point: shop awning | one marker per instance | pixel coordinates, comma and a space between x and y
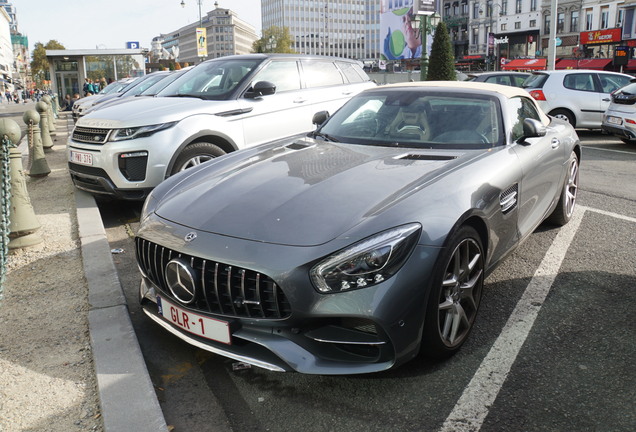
631, 65
526, 64
596, 64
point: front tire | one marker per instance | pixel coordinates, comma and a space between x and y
567, 201
196, 154
455, 296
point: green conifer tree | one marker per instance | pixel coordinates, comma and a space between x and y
441, 65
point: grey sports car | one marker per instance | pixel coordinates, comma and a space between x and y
355, 248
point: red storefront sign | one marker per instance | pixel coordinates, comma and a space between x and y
601, 36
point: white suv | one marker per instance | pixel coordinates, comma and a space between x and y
577, 96
219, 106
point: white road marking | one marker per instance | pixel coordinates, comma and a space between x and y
472, 407
609, 150
614, 215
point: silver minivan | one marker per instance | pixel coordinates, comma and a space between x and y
219, 106
579, 97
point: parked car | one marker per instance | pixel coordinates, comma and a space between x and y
576, 96
354, 248
112, 88
137, 87
219, 106
515, 79
620, 117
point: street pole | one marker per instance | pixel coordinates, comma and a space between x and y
424, 56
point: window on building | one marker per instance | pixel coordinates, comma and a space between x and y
546, 24
604, 18
464, 7
532, 23
517, 25
560, 22
503, 27
589, 23
619, 17
533, 5
447, 10
504, 7
476, 9
518, 6
574, 21
475, 39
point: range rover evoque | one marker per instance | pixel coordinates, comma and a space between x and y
219, 106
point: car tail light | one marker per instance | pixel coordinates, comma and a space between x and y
538, 95
630, 121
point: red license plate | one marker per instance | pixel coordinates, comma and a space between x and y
199, 325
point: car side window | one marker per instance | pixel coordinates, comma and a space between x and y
518, 80
284, 74
502, 79
349, 71
522, 108
609, 82
579, 81
318, 73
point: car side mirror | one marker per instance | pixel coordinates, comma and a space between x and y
261, 88
532, 129
320, 117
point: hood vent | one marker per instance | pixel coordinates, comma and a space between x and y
298, 146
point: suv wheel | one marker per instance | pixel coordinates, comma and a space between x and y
563, 114
195, 154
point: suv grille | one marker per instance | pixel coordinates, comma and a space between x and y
221, 288
90, 135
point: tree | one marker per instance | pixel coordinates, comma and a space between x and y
275, 39
441, 65
39, 64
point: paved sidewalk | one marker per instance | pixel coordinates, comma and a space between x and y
127, 400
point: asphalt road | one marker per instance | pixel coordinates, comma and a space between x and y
564, 357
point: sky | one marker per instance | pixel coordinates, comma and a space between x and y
91, 24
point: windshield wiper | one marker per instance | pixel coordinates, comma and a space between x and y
324, 136
187, 95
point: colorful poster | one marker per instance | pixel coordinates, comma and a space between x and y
400, 40
202, 43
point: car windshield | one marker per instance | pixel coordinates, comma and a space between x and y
163, 83
140, 86
418, 119
114, 87
213, 80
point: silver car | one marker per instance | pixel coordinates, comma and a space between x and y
217, 107
620, 117
355, 248
579, 97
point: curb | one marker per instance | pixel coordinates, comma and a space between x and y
127, 396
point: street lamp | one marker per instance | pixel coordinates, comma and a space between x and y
426, 24
183, 4
271, 44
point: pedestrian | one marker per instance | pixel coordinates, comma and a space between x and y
88, 87
67, 103
7, 94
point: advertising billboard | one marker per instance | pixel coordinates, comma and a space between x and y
202, 42
399, 39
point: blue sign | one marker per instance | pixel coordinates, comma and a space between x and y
132, 45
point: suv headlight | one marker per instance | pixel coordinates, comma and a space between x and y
138, 132
366, 263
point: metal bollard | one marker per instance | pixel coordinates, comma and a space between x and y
51, 118
22, 221
43, 109
38, 167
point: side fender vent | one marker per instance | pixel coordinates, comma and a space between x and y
509, 198
425, 157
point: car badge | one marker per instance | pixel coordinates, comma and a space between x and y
190, 236
181, 280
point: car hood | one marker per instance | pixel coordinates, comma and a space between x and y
303, 194
148, 111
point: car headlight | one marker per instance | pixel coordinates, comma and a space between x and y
366, 263
138, 132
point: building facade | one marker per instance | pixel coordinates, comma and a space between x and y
6, 53
226, 34
349, 28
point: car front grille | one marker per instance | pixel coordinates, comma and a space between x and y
221, 289
90, 135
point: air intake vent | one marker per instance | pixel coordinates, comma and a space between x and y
508, 199
297, 146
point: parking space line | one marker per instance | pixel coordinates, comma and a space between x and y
611, 214
608, 150
472, 407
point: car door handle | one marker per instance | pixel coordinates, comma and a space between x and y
300, 100
606, 100
555, 143
347, 93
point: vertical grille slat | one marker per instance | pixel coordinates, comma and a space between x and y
223, 289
